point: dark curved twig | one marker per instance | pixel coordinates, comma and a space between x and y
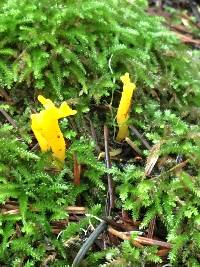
88, 243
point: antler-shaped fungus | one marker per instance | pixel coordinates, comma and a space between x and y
124, 106
46, 129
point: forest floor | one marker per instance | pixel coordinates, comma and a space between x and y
183, 18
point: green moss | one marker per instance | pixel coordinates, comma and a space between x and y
76, 51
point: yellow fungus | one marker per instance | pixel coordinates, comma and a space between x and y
124, 106
46, 129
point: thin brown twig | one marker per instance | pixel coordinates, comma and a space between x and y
108, 165
180, 28
76, 210
179, 166
187, 39
36, 146
134, 147
11, 207
5, 95
141, 240
93, 133
123, 236
8, 118
151, 228
139, 136
119, 226
77, 171
153, 242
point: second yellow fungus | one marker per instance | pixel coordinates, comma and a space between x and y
46, 128
124, 107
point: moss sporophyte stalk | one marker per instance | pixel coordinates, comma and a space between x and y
46, 128
124, 107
